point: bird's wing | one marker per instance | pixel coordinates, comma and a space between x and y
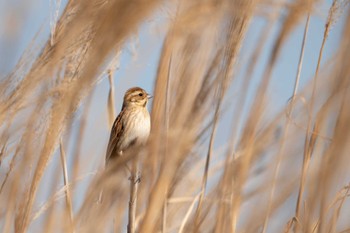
117, 131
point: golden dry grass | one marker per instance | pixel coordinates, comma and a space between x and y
294, 163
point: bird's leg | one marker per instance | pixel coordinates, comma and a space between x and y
137, 179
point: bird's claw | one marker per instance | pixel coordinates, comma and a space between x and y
135, 179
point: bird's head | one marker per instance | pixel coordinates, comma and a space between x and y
136, 96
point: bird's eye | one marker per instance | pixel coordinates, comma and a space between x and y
140, 94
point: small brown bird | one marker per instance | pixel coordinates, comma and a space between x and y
132, 126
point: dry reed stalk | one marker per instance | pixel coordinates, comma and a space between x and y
209, 154
309, 135
340, 197
82, 127
297, 10
111, 108
312, 134
336, 214
256, 226
26, 149
223, 78
76, 89
185, 219
246, 82
340, 135
287, 124
54, 213
202, 47
220, 89
134, 183
53, 19
165, 213
114, 65
246, 140
66, 184
7, 227
248, 74
26, 140
248, 135
166, 115
60, 194
185, 70
114, 183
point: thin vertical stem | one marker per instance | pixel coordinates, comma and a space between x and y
134, 184
111, 108
207, 162
66, 184
166, 114
287, 124
165, 210
309, 135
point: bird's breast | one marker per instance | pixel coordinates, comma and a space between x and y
138, 127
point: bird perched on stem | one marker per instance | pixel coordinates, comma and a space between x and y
132, 126
130, 129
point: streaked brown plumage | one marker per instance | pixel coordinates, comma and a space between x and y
132, 125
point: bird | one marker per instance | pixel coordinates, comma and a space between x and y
132, 126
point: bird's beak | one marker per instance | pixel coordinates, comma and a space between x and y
149, 96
